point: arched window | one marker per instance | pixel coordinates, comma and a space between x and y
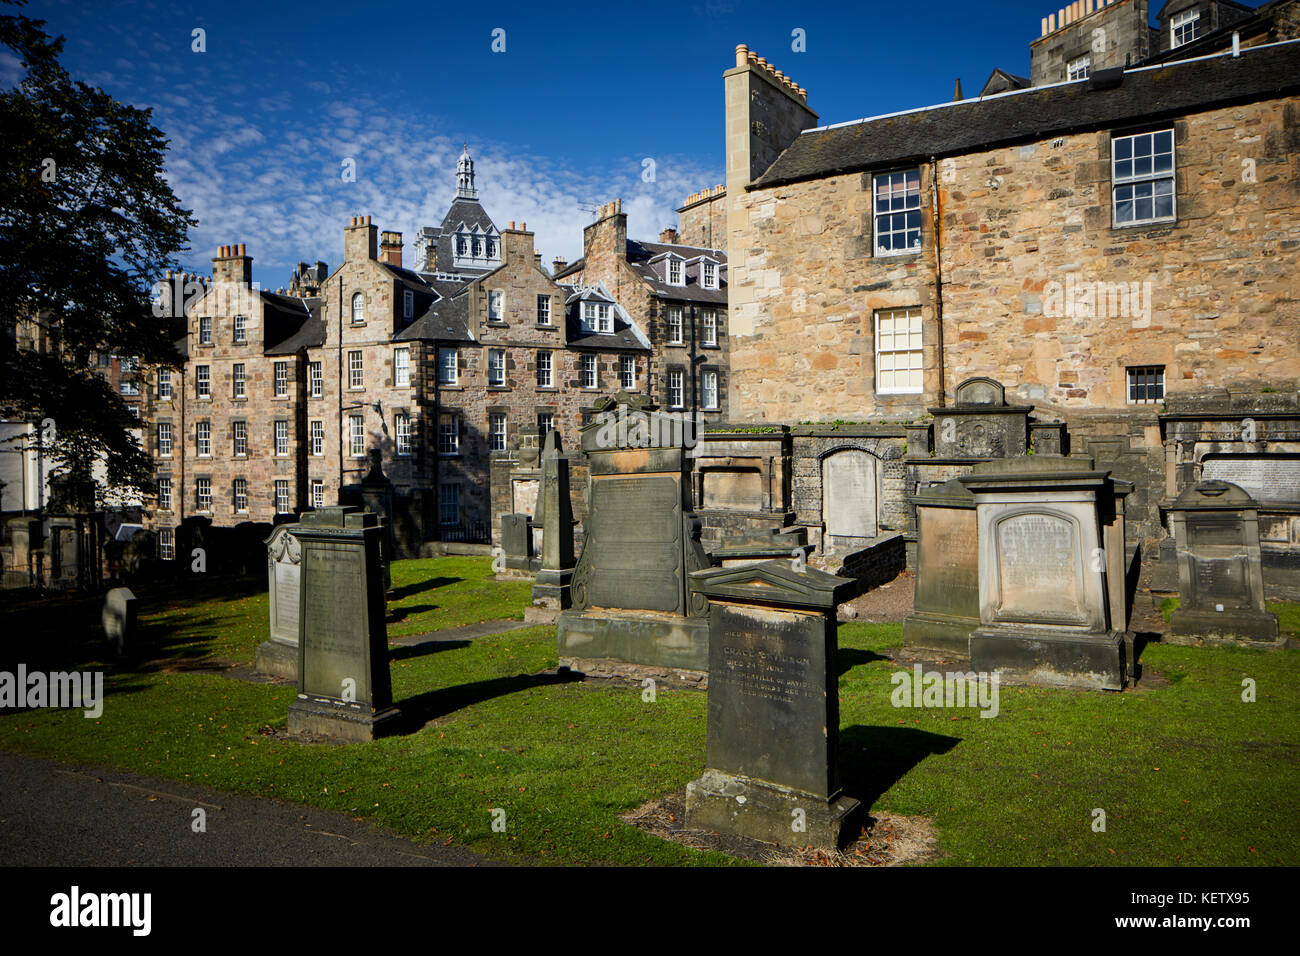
478, 247
491, 249
460, 245
358, 308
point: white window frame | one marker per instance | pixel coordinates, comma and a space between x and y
203, 495
317, 438
710, 332
280, 380
545, 423
496, 305
356, 370
356, 436
676, 326
497, 435
164, 494
448, 366
239, 439
1181, 20
281, 438
402, 367
315, 379
203, 439
318, 493
358, 308
164, 385
164, 439
203, 382
709, 275
545, 370
1128, 178
543, 310
240, 334
238, 380
166, 545
706, 402
282, 506
496, 366
676, 388
239, 491
1080, 68
898, 203
886, 343
1133, 376
674, 271
448, 434
402, 434
589, 371
627, 372
205, 330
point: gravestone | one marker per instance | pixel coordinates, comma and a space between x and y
278, 656
344, 688
374, 493
1220, 573
633, 614
772, 757
946, 603
119, 619
516, 546
849, 480
555, 576
1051, 602
981, 424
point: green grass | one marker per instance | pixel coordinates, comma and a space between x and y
1288, 614
1185, 770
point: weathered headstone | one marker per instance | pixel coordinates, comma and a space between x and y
118, 618
555, 576
633, 614
516, 546
344, 689
279, 655
1047, 608
772, 767
946, 605
1220, 574
980, 424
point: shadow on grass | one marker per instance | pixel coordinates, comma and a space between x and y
420, 710
1140, 641
406, 590
396, 614
424, 649
848, 658
873, 759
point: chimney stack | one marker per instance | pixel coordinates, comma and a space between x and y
558, 265
390, 248
360, 239
233, 264
669, 236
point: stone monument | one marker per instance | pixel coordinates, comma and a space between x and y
344, 688
633, 614
1051, 559
516, 547
1220, 572
772, 768
946, 605
555, 509
278, 656
118, 618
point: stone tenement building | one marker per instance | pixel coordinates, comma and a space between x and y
677, 293
1119, 251
283, 397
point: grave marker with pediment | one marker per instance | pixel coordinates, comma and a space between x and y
981, 425
278, 657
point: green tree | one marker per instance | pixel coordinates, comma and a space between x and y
88, 224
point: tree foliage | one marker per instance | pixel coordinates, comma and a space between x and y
88, 224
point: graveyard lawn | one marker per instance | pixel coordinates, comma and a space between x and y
1186, 772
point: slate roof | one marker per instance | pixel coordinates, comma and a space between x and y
291, 324
445, 321
639, 255
1142, 95
1000, 81
407, 278
472, 214
625, 336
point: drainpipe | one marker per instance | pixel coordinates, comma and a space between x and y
338, 429
938, 276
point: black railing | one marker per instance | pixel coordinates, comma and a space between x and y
467, 532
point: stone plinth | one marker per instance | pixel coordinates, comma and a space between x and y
555, 575
344, 688
1220, 573
772, 760
946, 606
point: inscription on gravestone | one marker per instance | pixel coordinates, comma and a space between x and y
333, 616
1038, 570
1264, 479
636, 551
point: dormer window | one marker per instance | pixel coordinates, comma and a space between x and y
1184, 28
675, 272
460, 245
491, 248
477, 246
408, 303
596, 317
709, 275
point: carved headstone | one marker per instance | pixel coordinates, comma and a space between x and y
772, 757
279, 655
344, 688
1220, 574
1048, 614
981, 424
632, 609
517, 545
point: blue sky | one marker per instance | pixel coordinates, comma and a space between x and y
563, 119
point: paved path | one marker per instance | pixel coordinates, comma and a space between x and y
55, 814
465, 633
